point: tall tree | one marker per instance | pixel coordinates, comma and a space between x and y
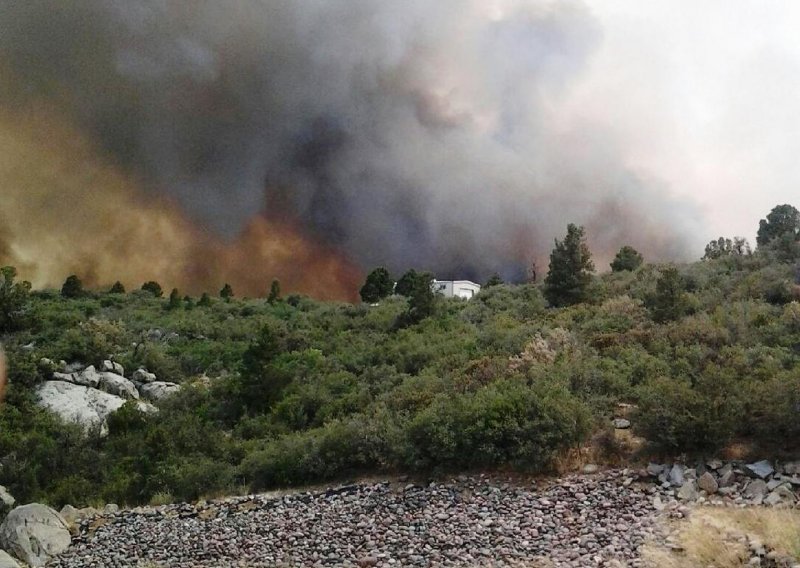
174, 300
72, 287
226, 293
117, 288
628, 258
780, 233
726, 247
154, 288
14, 301
274, 292
422, 300
571, 268
378, 286
669, 302
494, 280
406, 283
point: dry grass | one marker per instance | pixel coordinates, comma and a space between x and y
719, 538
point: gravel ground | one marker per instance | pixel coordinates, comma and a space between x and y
583, 520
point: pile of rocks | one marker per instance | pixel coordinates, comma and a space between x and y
579, 521
87, 396
732, 483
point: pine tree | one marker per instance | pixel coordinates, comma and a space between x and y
72, 288
117, 288
226, 293
494, 280
406, 283
628, 258
174, 300
669, 302
205, 300
274, 292
378, 286
571, 268
154, 288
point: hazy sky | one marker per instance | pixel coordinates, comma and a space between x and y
706, 93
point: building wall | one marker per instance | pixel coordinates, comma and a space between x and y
456, 288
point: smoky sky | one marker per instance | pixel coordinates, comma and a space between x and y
410, 133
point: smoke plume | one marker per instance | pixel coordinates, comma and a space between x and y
196, 142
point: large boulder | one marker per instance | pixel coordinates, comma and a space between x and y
34, 533
88, 377
7, 561
143, 376
85, 406
118, 385
7, 501
109, 366
761, 469
707, 483
158, 390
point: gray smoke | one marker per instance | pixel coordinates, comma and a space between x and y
411, 133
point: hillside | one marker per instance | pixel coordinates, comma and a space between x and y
298, 391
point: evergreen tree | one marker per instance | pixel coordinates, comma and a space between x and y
226, 293
727, 247
154, 288
494, 280
14, 301
422, 300
628, 258
174, 300
406, 283
274, 292
378, 286
188, 302
72, 287
669, 302
780, 233
571, 268
117, 288
205, 300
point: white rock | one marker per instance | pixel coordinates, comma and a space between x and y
142, 376
676, 477
109, 366
34, 533
158, 390
118, 385
89, 377
7, 561
7, 501
83, 405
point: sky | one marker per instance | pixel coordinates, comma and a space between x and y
706, 96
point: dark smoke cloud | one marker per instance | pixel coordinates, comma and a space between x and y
412, 133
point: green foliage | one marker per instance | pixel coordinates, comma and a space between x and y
723, 247
226, 293
670, 300
494, 280
72, 287
628, 258
378, 286
301, 391
779, 233
505, 422
274, 292
405, 285
15, 306
154, 288
117, 288
571, 268
421, 300
174, 300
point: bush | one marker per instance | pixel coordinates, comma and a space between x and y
679, 418
505, 422
15, 308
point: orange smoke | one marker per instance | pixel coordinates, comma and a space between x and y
65, 209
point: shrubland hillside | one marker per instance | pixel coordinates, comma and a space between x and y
291, 391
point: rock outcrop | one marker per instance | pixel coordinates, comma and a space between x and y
158, 390
86, 406
34, 533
